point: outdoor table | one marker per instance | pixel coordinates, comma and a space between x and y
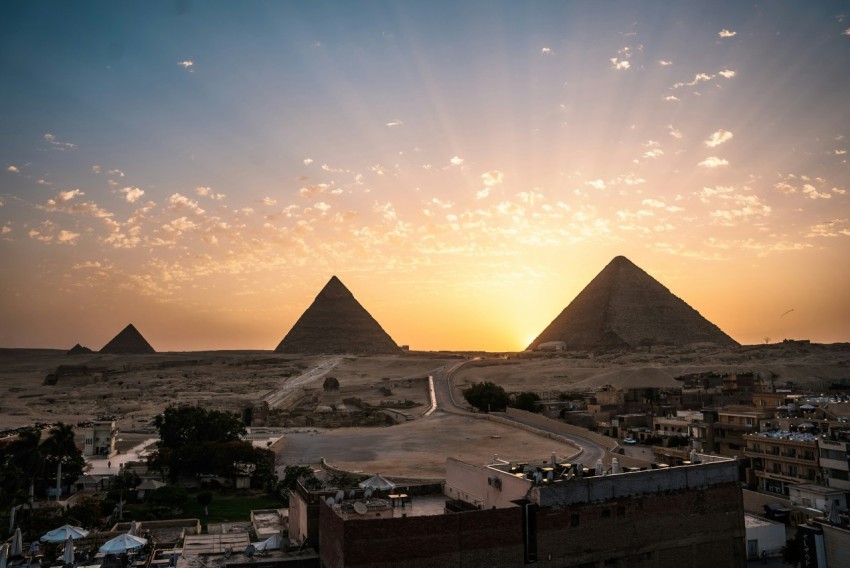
400, 497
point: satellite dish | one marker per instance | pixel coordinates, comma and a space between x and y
360, 508
330, 501
340, 495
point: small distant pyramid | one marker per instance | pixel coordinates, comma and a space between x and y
626, 308
336, 323
128, 341
78, 350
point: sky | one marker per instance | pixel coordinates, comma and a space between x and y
202, 169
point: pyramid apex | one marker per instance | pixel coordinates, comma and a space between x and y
129, 340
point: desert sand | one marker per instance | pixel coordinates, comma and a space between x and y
135, 388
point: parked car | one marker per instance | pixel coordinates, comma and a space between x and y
630, 441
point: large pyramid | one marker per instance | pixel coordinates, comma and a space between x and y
128, 341
336, 323
625, 308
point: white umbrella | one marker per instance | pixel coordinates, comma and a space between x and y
17, 547
63, 533
4, 554
122, 543
378, 482
68, 554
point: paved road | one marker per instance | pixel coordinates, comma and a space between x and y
443, 380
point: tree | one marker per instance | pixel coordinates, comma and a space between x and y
792, 552
204, 499
528, 401
487, 397
60, 448
194, 440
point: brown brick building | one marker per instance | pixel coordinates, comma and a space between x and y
681, 516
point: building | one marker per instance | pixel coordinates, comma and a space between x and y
823, 499
100, 439
724, 429
764, 537
834, 462
781, 459
511, 514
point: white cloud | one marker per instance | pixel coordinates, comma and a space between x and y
132, 194
96, 169
208, 192
846, 32
394, 123
727, 73
67, 237
268, 201
718, 138
69, 195
481, 194
673, 131
785, 187
13, 169
57, 144
187, 64
596, 184
727, 33
181, 202
456, 161
620, 64
492, 178
840, 152
653, 203
671, 98
546, 50
315, 189
115, 173
308, 161
664, 62
812, 192
713, 162
87, 264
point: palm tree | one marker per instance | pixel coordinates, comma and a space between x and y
63, 454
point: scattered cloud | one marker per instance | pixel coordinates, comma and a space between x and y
596, 184
713, 162
727, 73
665, 62
96, 169
718, 138
57, 144
492, 178
69, 195
308, 161
13, 169
67, 237
268, 201
456, 161
620, 64
839, 152
187, 64
812, 192
674, 132
204, 191
178, 202
115, 173
727, 33
313, 190
546, 50
395, 123
132, 194
672, 98
846, 32
704, 77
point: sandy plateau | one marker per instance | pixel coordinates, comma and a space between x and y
135, 388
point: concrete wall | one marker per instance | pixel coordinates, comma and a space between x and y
770, 536
689, 477
837, 545
470, 483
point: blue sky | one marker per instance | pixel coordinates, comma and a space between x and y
202, 168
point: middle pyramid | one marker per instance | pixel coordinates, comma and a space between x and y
336, 323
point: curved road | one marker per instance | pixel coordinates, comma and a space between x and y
591, 452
